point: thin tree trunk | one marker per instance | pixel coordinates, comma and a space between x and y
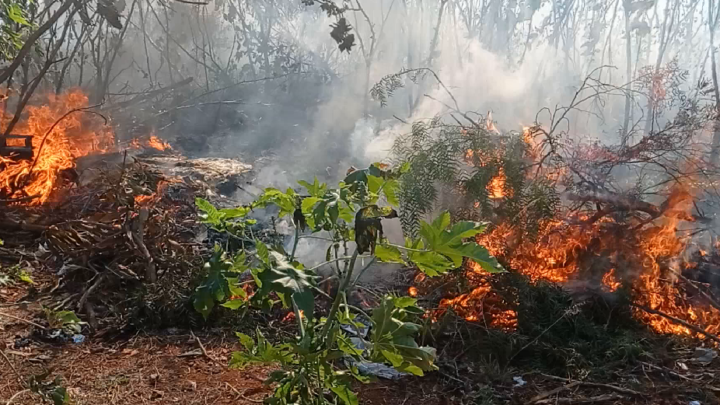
628, 71
30, 42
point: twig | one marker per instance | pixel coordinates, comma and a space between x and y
22, 320
678, 321
241, 395
17, 394
590, 400
554, 391
202, 348
12, 367
621, 390
85, 296
21, 199
195, 3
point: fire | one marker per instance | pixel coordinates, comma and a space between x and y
610, 282
153, 142
72, 137
157, 143
496, 187
144, 200
480, 304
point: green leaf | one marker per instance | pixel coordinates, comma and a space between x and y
316, 189
15, 13
210, 214
305, 301
235, 290
215, 286
262, 251
374, 183
412, 369
390, 191
234, 304
308, 204
347, 346
404, 302
345, 394
25, 277
442, 221
430, 263
232, 213
67, 317
450, 243
394, 358
245, 340
388, 254
203, 304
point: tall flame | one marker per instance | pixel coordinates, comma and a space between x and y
71, 138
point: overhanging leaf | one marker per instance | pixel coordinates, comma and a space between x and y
388, 254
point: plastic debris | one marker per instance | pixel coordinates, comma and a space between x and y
519, 382
376, 369
704, 355
77, 339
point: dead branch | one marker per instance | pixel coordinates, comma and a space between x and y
620, 202
552, 392
144, 96
22, 320
595, 385
678, 321
85, 296
136, 235
589, 400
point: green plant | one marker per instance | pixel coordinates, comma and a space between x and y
352, 212
49, 390
14, 274
66, 320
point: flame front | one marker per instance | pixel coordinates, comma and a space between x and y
72, 137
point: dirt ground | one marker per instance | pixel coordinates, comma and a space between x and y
168, 367
176, 366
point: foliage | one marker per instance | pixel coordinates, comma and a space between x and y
13, 15
462, 161
341, 29
220, 283
66, 320
352, 212
16, 273
52, 391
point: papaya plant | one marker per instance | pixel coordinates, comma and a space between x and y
350, 218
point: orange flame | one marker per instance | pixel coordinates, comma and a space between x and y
71, 138
157, 143
610, 282
496, 187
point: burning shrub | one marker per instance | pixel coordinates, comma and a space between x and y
593, 215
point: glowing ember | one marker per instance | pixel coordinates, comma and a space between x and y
144, 200
413, 291
71, 138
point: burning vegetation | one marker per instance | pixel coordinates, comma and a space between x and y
573, 213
